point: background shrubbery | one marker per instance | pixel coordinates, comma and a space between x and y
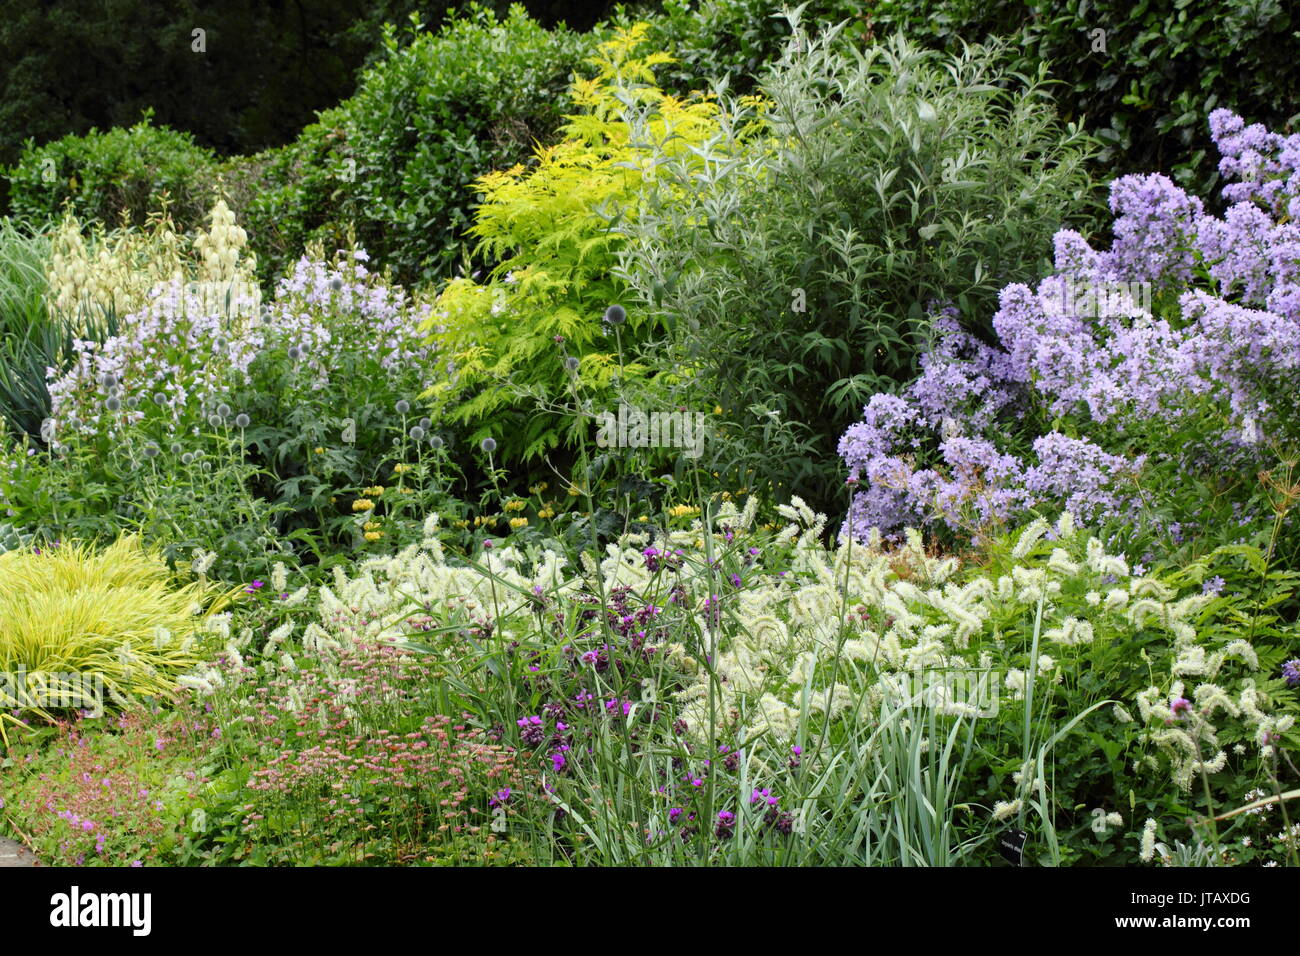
397, 160
1148, 87
797, 271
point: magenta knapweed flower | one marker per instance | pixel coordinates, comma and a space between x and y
1180, 706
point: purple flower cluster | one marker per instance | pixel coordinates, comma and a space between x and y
181, 356
1189, 325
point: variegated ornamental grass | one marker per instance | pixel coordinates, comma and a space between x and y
115, 612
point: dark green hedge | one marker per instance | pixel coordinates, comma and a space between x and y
1143, 74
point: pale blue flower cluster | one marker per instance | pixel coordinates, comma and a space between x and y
1069, 405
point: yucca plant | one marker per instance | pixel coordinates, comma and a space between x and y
113, 617
28, 336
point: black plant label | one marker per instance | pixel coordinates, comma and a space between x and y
1011, 844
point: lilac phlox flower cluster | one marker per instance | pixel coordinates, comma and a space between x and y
1215, 352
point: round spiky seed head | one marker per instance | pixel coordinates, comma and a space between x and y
417, 433
616, 315
241, 420
488, 444
403, 406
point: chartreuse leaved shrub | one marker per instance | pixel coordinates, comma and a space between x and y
554, 230
116, 614
796, 269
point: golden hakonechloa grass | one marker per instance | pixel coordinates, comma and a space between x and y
115, 615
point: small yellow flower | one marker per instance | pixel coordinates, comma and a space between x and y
371, 525
320, 450
681, 511
401, 468
546, 513
374, 535
717, 409
517, 505
518, 522
573, 491
538, 488
362, 504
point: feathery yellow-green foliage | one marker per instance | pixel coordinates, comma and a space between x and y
553, 230
115, 612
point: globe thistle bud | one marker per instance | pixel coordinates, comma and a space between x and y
177, 448
488, 444
241, 420
572, 363
616, 315
294, 353
187, 459
133, 401
336, 283
403, 406
110, 380
436, 441
220, 343
150, 450
417, 433
159, 399
223, 410
214, 421
113, 403
426, 423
